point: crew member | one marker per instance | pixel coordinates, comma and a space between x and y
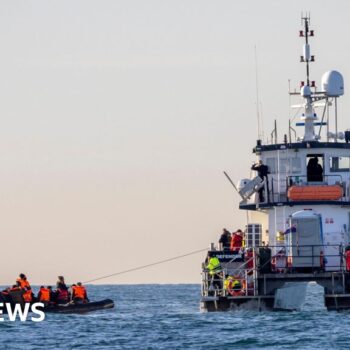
79, 294
214, 269
262, 170
347, 258
314, 170
225, 240
249, 258
236, 241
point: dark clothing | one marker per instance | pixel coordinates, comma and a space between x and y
314, 171
16, 296
225, 240
265, 260
61, 285
262, 170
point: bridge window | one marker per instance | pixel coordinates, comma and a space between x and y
272, 165
339, 164
314, 167
296, 165
286, 165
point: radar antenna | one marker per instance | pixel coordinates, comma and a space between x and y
307, 57
309, 115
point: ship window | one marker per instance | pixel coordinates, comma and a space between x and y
296, 165
271, 163
339, 164
283, 166
314, 168
292, 165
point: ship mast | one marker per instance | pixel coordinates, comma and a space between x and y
309, 115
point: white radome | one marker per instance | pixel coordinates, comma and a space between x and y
332, 83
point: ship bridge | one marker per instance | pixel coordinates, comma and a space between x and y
292, 180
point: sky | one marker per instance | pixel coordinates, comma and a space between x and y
118, 118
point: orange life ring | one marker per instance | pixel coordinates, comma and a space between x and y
235, 292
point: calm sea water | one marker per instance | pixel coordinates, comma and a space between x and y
168, 317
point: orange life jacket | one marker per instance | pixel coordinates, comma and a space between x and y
79, 292
23, 283
44, 294
27, 296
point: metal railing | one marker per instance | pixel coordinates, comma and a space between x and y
286, 259
302, 180
277, 190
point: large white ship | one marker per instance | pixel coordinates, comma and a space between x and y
299, 207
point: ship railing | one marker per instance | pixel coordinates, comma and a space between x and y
286, 259
277, 190
302, 258
218, 284
302, 180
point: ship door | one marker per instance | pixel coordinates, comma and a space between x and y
314, 167
305, 240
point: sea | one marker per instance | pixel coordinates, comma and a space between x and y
154, 316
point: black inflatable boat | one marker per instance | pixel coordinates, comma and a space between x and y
80, 308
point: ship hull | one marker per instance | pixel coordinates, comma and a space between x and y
258, 303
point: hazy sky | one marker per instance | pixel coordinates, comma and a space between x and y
118, 118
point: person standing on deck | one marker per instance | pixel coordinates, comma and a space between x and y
236, 241
225, 240
214, 271
262, 170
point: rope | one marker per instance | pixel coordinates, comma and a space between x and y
148, 265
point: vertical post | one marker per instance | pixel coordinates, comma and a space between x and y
327, 119
289, 131
223, 292
275, 131
336, 119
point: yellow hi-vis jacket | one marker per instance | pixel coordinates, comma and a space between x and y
214, 265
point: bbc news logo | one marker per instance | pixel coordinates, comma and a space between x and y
18, 313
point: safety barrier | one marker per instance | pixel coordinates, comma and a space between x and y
270, 260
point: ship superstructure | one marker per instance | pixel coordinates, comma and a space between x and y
300, 209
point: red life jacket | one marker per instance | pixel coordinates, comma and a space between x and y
250, 260
347, 260
236, 242
44, 294
62, 294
